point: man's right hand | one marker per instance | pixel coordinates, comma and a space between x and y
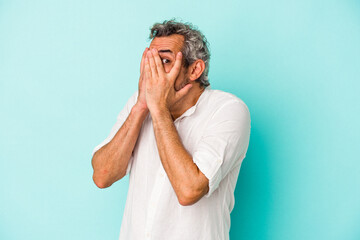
141, 102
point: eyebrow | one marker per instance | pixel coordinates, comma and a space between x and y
165, 50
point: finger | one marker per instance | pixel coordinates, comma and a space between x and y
174, 72
182, 92
152, 64
147, 69
158, 63
142, 64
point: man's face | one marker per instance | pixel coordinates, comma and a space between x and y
168, 47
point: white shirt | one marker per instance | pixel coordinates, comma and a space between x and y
216, 132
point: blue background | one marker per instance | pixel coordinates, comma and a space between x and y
68, 67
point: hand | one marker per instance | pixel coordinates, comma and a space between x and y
141, 102
160, 86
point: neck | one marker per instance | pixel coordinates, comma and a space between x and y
186, 102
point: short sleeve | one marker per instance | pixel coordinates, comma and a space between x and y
122, 116
224, 143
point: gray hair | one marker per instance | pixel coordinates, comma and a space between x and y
195, 44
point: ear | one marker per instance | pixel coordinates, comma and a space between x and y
196, 69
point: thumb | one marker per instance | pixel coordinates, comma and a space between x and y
182, 92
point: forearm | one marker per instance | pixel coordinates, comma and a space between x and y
177, 162
111, 161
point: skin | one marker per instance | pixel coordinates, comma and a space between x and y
166, 90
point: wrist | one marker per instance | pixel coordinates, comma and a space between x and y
159, 111
140, 109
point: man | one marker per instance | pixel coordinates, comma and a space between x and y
181, 143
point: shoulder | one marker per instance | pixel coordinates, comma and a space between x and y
226, 105
131, 101
134, 96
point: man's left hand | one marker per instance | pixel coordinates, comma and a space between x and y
160, 86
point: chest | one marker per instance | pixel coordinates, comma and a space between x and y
190, 132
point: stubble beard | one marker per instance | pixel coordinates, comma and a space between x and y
183, 84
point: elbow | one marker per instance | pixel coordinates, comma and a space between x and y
100, 182
104, 179
192, 196
185, 202
188, 198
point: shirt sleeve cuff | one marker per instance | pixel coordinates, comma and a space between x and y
211, 170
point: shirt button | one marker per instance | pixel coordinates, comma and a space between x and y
148, 235
161, 174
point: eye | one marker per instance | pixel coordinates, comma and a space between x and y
164, 60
